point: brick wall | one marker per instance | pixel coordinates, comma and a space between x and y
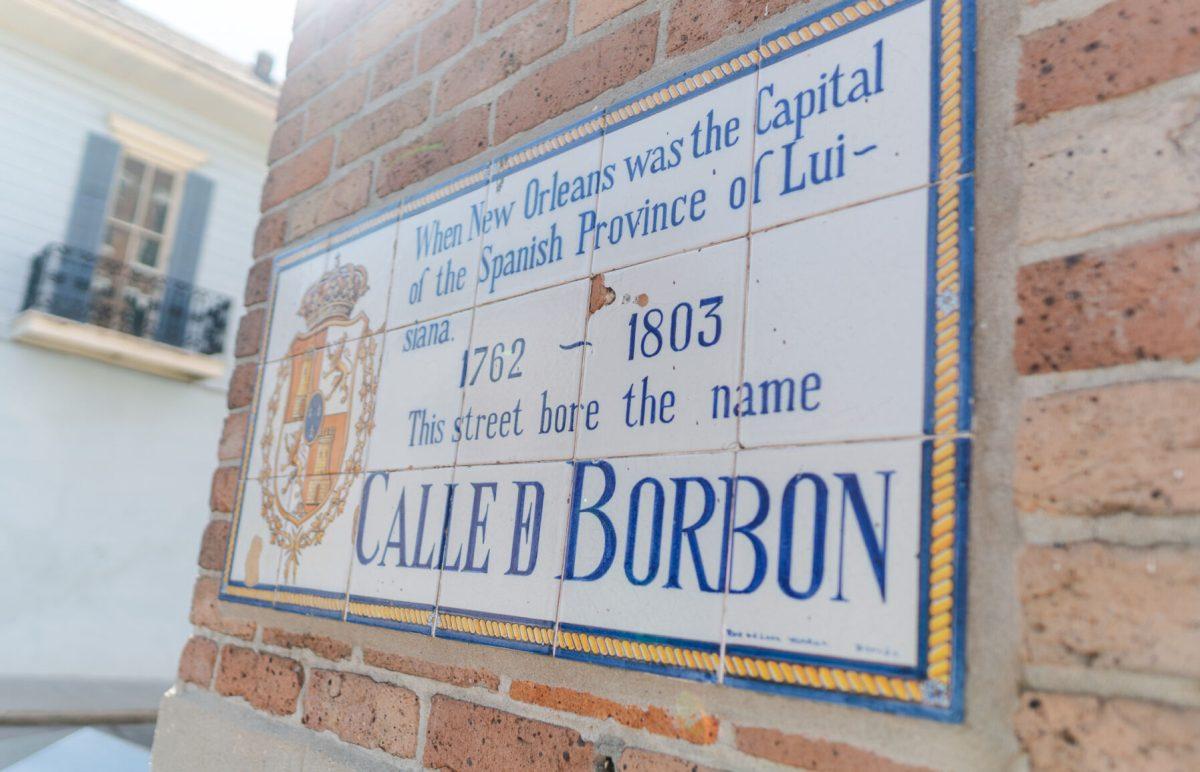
1089, 307
1107, 476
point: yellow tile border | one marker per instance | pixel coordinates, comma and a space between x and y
310, 601
407, 615
948, 331
825, 678
639, 651
491, 628
250, 593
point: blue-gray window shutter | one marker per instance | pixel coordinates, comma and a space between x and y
85, 227
185, 256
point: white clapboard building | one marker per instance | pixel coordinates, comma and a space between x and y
131, 161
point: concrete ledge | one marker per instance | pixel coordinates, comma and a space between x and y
74, 701
53, 332
200, 731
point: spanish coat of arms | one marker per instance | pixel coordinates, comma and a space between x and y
319, 415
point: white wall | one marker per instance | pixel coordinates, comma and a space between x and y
104, 475
104, 472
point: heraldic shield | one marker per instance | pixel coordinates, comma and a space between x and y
319, 415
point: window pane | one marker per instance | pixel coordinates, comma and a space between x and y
132, 172
148, 252
117, 241
160, 201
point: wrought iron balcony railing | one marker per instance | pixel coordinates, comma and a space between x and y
78, 285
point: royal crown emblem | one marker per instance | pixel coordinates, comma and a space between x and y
319, 415
334, 296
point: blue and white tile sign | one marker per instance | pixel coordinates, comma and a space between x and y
682, 388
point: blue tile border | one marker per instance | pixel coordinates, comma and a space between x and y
942, 664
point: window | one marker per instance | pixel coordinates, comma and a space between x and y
140, 217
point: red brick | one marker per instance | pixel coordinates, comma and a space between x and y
388, 25
694, 24
336, 104
224, 489
342, 15
395, 68
298, 173
446, 35
385, 124
249, 333
536, 35
287, 137
306, 40
453, 141
492, 12
1122, 47
271, 233
1113, 608
590, 14
313, 77
213, 545
333, 202
207, 613
637, 760
1061, 731
462, 735
1124, 448
258, 283
233, 436
578, 77
1111, 307
266, 681
815, 755
197, 660
700, 729
241, 386
363, 711
320, 645
1099, 173
451, 674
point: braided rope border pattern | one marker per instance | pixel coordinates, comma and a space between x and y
491, 628
624, 648
410, 616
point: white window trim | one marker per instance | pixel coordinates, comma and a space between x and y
154, 146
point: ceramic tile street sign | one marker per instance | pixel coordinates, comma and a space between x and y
682, 387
